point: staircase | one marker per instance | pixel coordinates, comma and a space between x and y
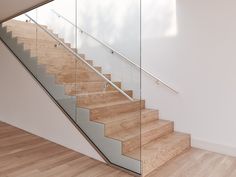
104, 106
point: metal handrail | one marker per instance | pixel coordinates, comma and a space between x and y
83, 60
158, 81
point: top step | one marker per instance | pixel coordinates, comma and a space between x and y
17, 23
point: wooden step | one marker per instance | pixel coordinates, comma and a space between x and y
28, 29
128, 120
86, 99
31, 32
38, 42
63, 68
59, 63
51, 47
71, 69
160, 151
53, 53
85, 77
98, 111
88, 87
76, 72
17, 23
33, 35
148, 132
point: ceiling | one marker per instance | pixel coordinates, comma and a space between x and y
12, 8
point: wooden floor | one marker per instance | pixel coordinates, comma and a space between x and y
198, 163
26, 155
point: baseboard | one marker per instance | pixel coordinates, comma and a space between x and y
222, 149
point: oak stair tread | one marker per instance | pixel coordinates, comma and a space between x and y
100, 92
163, 144
111, 104
17, 23
125, 116
142, 129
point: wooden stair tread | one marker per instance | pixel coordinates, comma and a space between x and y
45, 42
101, 92
72, 79
108, 104
124, 116
163, 145
88, 87
114, 108
85, 82
86, 99
18, 22
137, 131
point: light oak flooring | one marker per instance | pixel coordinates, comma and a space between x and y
198, 163
26, 155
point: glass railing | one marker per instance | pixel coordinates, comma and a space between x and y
84, 34
99, 92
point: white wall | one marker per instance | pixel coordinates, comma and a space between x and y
189, 44
24, 104
198, 59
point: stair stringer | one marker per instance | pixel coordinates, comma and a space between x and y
111, 148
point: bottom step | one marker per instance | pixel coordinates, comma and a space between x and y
159, 151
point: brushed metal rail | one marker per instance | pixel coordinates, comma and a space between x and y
79, 57
157, 80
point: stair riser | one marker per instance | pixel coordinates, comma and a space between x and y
150, 116
157, 133
114, 110
88, 87
86, 100
147, 137
130, 122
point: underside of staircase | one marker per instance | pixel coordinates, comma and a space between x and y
120, 118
